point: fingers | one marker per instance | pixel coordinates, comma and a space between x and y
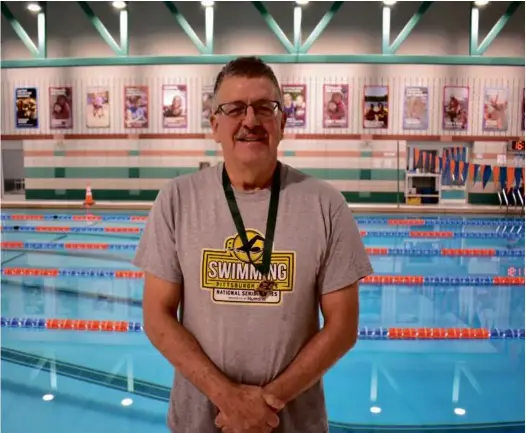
273, 401
219, 421
273, 421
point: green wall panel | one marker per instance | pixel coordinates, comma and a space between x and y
164, 172
39, 172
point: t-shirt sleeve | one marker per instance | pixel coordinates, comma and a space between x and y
157, 252
346, 260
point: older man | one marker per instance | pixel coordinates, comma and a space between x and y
249, 251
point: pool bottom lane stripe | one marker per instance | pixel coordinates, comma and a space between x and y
363, 333
412, 280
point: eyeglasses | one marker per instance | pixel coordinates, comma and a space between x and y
262, 109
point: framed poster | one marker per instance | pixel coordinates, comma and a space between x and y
455, 108
495, 110
416, 108
376, 107
335, 105
98, 107
175, 106
136, 103
61, 107
295, 104
26, 107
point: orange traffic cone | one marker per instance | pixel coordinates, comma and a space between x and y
88, 201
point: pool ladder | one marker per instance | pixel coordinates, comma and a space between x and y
515, 195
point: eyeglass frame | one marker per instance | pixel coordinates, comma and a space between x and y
220, 106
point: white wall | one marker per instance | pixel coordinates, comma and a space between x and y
239, 29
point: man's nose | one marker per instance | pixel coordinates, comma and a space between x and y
250, 119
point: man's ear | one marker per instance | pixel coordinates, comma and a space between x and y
283, 123
214, 124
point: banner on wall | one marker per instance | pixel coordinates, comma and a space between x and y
495, 112
455, 107
335, 103
136, 100
98, 107
175, 106
26, 102
375, 107
207, 94
416, 107
61, 107
295, 104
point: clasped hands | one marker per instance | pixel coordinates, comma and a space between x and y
249, 409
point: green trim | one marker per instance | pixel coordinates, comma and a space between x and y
150, 195
366, 154
497, 28
274, 26
164, 172
39, 172
365, 174
123, 30
320, 27
60, 172
387, 174
20, 31
220, 59
210, 152
187, 28
134, 152
453, 194
289, 153
101, 28
133, 172
58, 153
406, 31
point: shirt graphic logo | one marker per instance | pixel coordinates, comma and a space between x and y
231, 277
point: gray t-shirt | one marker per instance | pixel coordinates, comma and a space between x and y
190, 238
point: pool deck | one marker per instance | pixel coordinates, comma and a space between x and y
19, 202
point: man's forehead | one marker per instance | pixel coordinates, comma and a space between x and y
245, 88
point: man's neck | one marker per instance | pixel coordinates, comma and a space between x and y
250, 178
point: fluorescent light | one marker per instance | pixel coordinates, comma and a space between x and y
302, 2
459, 411
481, 2
119, 5
127, 402
207, 3
389, 2
34, 7
375, 410
48, 397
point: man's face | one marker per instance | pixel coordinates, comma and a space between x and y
254, 137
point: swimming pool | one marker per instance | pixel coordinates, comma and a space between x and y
437, 281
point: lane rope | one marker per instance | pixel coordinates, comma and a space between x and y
363, 333
363, 220
373, 251
364, 233
412, 280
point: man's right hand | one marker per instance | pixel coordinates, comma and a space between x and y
244, 409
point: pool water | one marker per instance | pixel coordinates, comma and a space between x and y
116, 381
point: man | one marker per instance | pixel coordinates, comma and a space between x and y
249, 250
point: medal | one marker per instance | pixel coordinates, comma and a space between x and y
266, 286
